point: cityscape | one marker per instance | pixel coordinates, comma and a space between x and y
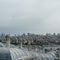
30, 47
33, 39
29, 29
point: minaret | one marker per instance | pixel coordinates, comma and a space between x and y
21, 42
7, 40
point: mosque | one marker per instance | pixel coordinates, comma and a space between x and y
13, 53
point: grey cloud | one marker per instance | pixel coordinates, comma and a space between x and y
30, 16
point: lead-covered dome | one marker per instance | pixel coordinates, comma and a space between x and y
5, 54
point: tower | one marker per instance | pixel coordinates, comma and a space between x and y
7, 40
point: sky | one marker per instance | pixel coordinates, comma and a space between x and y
29, 16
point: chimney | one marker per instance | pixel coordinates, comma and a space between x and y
7, 40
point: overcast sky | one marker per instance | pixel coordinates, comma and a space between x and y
33, 16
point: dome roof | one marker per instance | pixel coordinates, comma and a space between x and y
5, 54
13, 54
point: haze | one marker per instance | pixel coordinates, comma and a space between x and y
29, 16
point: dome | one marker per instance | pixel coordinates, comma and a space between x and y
5, 54
14, 54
